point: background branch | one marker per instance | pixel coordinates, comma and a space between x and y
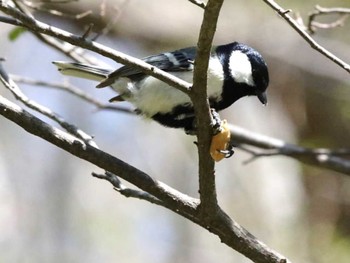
312, 24
73, 52
75, 91
320, 158
301, 31
12, 86
40, 27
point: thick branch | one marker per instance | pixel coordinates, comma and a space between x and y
89, 153
201, 106
230, 232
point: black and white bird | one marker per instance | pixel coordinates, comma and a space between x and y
235, 70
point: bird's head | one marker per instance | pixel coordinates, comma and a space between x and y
246, 67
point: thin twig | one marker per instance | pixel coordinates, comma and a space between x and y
127, 192
301, 31
38, 6
319, 11
42, 28
10, 21
117, 13
268, 146
67, 87
16, 91
70, 51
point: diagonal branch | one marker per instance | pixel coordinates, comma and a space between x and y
15, 90
69, 50
39, 27
229, 231
92, 154
301, 31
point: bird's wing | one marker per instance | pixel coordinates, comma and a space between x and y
179, 60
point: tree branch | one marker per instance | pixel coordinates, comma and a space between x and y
74, 53
201, 106
40, 27
67, 87
128, 192
15, 90
218, 222
312, 24
92, 154
301, 31
320, 158
230, 232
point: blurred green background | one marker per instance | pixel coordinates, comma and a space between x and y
53, 210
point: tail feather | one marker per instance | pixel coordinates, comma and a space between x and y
82, 70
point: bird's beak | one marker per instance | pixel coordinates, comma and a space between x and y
262, 97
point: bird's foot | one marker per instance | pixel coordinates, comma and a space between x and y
216, 121
221, 146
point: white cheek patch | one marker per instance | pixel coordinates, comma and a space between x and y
241, 68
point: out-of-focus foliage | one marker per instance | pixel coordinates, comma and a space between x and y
16, 32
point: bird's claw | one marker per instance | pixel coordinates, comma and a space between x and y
216, 121
228, 152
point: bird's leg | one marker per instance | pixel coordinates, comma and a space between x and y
216, 121
216, 124
221, 146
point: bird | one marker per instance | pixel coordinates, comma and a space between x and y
235, 70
